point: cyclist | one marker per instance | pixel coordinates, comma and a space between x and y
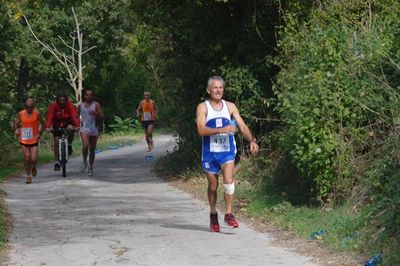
89, 111
62, 114
147, 113
26, 126
214, 124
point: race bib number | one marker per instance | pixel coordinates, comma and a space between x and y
26, 133
219, 143
147, 116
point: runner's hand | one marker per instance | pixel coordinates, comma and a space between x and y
70, 127
254, 148
229, 129
17, 132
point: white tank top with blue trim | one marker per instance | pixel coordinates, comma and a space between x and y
218, 143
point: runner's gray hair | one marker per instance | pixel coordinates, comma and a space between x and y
211, 79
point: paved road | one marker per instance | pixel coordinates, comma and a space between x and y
124, 215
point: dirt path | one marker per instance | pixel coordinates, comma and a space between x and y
124, 215
316, 249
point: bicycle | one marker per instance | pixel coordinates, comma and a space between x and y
62, 148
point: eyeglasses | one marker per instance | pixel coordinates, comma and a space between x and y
147, 95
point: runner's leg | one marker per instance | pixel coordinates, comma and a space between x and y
227, 172
92, 152
34, 151
212, 191
212, 200
85, 146
146, 134
27, 159
150, 134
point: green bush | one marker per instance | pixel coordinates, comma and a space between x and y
10, 144
382, 199
122, 126
337, 91
338, 94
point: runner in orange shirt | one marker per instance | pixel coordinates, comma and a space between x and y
147, 113
26, 126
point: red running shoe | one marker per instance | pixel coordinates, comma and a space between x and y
230, 220
214, 225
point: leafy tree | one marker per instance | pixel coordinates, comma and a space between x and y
198, 39
335, 91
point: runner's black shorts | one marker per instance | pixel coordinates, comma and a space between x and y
30, 145
146, 124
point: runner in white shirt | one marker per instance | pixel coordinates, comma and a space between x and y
89, 112
217, 122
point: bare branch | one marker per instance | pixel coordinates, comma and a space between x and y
73, 63
71, 76
47, 47
255, 21
62, 55
70, 47
87, 50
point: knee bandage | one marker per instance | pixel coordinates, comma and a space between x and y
229, 188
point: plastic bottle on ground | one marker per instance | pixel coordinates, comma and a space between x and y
374, 260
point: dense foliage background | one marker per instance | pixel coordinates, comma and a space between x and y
317, 81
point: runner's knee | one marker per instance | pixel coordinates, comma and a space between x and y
229, 188
212, 186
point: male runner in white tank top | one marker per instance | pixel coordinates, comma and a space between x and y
215, 123
89, 111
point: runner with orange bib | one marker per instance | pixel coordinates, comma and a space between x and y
26, 126
147, 113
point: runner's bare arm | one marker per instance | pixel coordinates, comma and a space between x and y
243, 128
42, 123
202, 129
139, 110
17, 124
99, 111
155, 110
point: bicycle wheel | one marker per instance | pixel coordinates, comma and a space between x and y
64, 159
64, 169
